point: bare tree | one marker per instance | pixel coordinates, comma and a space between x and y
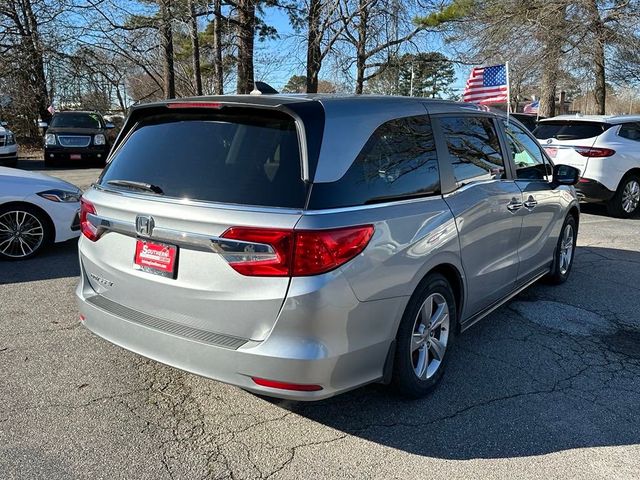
195, 46
246, 24
372, 28
166, 40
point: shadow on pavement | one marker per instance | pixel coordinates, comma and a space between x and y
58, 261
600, 209
557, 368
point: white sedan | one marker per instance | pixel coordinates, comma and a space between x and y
35, 211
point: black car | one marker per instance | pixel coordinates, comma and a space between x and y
529, 120
76, 137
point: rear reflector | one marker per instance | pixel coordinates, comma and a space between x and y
285, 386
295, 252
87, 229
594, 152
194, 105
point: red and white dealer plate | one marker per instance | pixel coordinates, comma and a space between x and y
157, 258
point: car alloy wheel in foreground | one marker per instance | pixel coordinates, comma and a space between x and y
430, 336
631, 196
566, 249
21, 234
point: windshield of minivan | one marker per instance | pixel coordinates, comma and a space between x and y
76, 120
569, 130
240, 156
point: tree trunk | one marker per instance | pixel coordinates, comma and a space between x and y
549, 83
599, 32
218, 73
35, 55
314, 54
361, 49
166, 38
195, 47
246, 32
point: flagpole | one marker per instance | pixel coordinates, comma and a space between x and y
508, 92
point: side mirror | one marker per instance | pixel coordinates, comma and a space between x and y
565, 175
109, 125
43, 124
4, 124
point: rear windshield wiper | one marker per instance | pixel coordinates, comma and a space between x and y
146, 187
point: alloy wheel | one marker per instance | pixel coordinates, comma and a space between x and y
566, 249
430, 336
21, 233
631, 196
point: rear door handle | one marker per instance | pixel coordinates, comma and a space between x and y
530, 203
514, 205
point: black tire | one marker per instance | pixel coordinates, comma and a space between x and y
560, 271
616, 206
405, 379
44, 222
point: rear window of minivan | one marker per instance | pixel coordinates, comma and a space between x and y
568, 130
239, 156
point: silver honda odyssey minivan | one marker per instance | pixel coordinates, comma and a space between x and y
303, 246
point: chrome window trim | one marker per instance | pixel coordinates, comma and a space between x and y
257, 209
196, 241
371, 206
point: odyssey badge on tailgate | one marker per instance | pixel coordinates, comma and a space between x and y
156, 258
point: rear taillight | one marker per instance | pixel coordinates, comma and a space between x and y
281, 253
594, 152
87, 229
272, 261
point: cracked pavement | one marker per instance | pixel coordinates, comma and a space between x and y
548, 386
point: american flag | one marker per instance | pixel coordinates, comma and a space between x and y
532, 107
487, 85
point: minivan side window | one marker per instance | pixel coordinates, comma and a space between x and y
398, 161
527, 155
630, 131
474, 148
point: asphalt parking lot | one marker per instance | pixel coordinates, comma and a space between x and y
547, 386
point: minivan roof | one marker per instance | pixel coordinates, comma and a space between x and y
612, 119
343, 100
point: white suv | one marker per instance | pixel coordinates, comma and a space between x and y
606, 149
8, 147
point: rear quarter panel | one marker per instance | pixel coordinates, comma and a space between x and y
410, 239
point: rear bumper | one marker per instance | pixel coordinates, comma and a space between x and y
338, 346
588, 189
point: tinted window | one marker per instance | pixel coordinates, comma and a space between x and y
236, 156
529, 121
569, 130
630, 131
527, 155
398, 161
474, 148
76, 120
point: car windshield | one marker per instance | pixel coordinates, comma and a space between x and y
569, 130
76, 120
